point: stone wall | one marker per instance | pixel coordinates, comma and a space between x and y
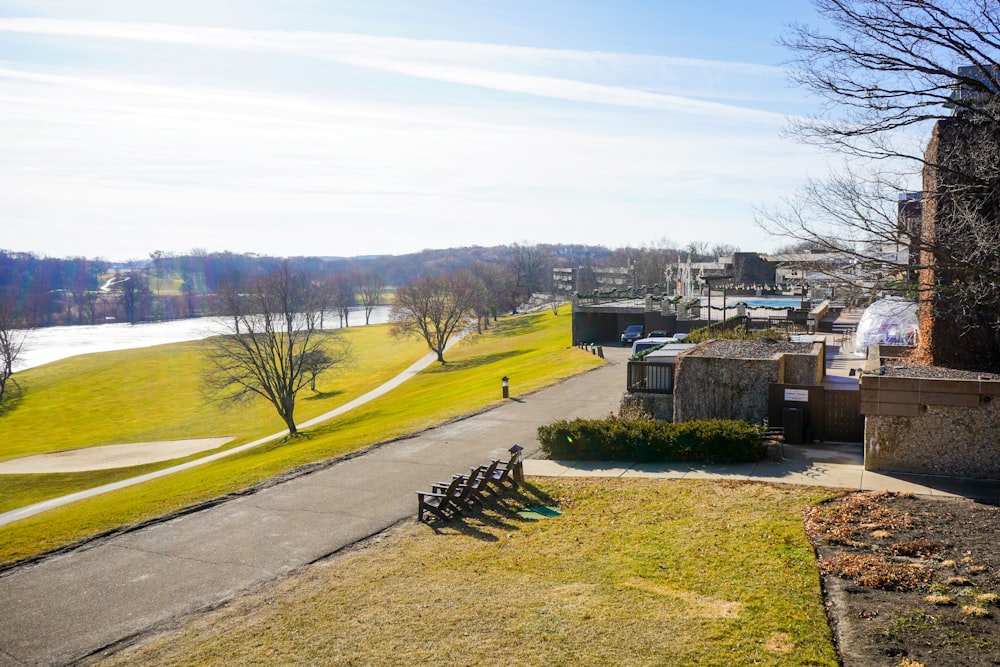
731, 379
941, 440
805, 368
932, 426
724, 388
658, 406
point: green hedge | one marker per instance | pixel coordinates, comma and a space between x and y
646, 440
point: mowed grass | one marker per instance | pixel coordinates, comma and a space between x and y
634, 572
156, 394
531, 349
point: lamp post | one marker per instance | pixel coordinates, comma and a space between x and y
708, 281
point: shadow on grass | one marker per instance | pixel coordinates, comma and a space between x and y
321, 395
474, 362
12, 397
516, 326
498, 514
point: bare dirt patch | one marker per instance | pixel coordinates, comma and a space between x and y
910, 580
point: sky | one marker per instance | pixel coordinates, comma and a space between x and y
345, 128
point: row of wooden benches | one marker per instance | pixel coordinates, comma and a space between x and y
446, 500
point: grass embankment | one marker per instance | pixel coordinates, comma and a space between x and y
634, 572
531, 349
155, 394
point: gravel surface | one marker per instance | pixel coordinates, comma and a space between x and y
760, 348
914, 371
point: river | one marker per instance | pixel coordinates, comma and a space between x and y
50, 344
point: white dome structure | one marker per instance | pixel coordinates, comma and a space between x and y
891, 321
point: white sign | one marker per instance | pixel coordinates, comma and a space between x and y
798, 395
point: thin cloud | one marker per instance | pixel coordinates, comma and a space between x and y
504, 68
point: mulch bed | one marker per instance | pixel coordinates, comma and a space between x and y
910, 580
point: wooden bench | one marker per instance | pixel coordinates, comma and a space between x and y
773, 436
442, 502
506, 475
448, 499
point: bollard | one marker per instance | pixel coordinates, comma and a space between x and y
505, 384
600, 351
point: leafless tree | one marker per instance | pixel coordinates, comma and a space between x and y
134, 294
647, 264
895, 73
531, 266
887, 65
371, 288
343, 295
273, 345
13, 333
434, 308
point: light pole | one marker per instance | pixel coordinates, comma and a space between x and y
708, 281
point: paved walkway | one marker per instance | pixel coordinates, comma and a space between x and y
831, 465
74, 605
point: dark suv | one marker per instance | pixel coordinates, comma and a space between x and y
633, 332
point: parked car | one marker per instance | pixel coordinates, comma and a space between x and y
650, 342
633, 332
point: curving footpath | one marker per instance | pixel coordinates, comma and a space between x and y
37, 508
76, 605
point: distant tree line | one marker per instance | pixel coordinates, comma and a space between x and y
44, 291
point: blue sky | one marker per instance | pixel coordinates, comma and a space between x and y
328, 127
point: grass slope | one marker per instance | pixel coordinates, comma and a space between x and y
634, 572
155, 394
531, 349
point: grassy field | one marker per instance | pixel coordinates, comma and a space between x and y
155, 394
634, 572
532, 349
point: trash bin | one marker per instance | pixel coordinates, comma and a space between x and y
794, 420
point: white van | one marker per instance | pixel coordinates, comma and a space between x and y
647, 343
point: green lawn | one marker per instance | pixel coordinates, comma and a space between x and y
634, 572
532, 349
155, 393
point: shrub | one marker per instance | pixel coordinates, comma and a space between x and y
647, 440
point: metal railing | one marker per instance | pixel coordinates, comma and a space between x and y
650, 378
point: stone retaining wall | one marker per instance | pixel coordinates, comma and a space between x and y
932, 426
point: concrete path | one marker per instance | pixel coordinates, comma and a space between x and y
72, 605
830, 465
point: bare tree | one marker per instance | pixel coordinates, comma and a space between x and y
13, 333
434, 308
343, 295
890, 64
134, 294
889, 69
273, 345
531, 267
371, 288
